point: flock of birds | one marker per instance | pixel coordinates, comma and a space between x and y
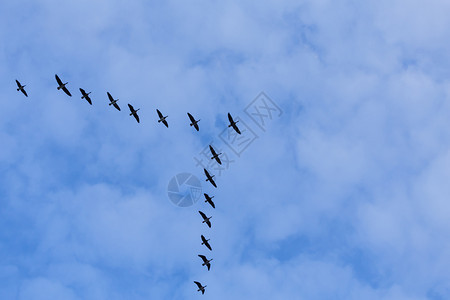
162, 119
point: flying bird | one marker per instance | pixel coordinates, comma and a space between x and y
209, 200
209, 178
205, 261
193, 121
113, 102
205, 242
215, 155
21, 88
205, 218
85, 96
134, 112
62, 86
233, 124
162, 118
200, 287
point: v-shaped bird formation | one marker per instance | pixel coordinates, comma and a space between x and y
161, 119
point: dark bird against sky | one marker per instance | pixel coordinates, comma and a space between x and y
205, 218
200, 287
193, 121
210, 178
21, 88
85, 96
62, 86
233, 124
134, 112
215, 155
112, 101
205, 242
162, 118
209, 200
206, 262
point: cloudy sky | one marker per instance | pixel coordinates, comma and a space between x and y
342, 193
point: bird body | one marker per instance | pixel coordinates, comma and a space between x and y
134, 112
215, 155
62, 85
205, 242
206, 262
200, 287
113, 101
21, 88
193, 121
209, 200
162, 118
205, 218
210, 178
85, 96
233, 124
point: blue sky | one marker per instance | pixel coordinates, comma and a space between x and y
343, 196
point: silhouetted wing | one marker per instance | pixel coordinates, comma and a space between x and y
230, 118
83, 92
236, 128
213, 183
207, 174
208, 245
165, 123
111, 99
19, 85
189, 115
131, 107
198, 284
66, 91
208, 223
208, 265
203, 291
203, 258
116, 106
24, 92
58, 80
88, 99
202, 214
196, 126
159, 114
212, 150
211, 203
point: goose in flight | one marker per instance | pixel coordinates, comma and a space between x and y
201, 288
62, 86
205, 218
21, 88
205, 261
209, 200
210, 178
205, 242
162, 118
215, 155
85, 96
233, 124
134, 112
193, 121
113, 102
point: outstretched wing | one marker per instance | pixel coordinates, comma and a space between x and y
131, 107
212, 182
116, 106
83, 92
211, 203
58, 80
208, 223
230, 118
165, 123
196, 126
212, 150
189, 115
111, 99
19, 85
66, 91
208, 245
88, 99
203, 257
198, 284
202, 214
159, 114
207, 174
236, 128
24, 92
208, 265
